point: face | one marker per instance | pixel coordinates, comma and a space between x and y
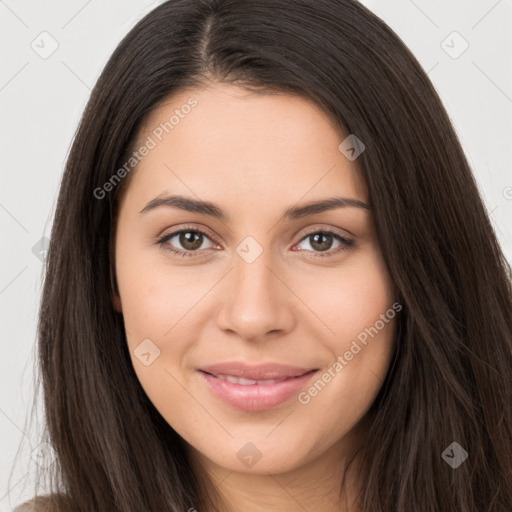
260, 329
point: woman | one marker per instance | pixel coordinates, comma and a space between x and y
272, 283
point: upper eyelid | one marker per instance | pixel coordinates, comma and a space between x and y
185, 228
335, 231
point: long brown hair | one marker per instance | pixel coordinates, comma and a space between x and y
451, 376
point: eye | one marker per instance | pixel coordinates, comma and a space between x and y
191, 240
321, 242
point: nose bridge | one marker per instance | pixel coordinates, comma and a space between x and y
254, 283
252, 264
256, 302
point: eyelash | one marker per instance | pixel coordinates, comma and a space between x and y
346, 243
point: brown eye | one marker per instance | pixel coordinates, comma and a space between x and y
190, 240
185, 242
322, 241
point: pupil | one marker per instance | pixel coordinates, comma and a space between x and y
190, 240
322, 246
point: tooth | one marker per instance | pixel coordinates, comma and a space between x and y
246, 382
230, 378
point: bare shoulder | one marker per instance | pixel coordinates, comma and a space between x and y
51, 503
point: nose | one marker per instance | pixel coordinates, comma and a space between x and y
257, 302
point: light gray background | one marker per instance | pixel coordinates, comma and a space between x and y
42, 99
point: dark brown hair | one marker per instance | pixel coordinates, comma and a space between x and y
451, 377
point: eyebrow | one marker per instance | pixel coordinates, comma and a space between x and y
293, 213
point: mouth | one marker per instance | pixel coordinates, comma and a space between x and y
255, 388
260, 372
248, 382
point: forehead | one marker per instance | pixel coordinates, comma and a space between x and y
223, 137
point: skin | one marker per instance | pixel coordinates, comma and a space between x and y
254, 156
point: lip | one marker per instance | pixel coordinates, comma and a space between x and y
258, 396
256, 372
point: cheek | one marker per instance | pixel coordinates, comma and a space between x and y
346, 388
154, 295
162, 309
360, 327
348, 299
153, 311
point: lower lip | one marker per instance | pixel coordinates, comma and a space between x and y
256, 397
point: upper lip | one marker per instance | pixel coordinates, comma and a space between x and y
255, 372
